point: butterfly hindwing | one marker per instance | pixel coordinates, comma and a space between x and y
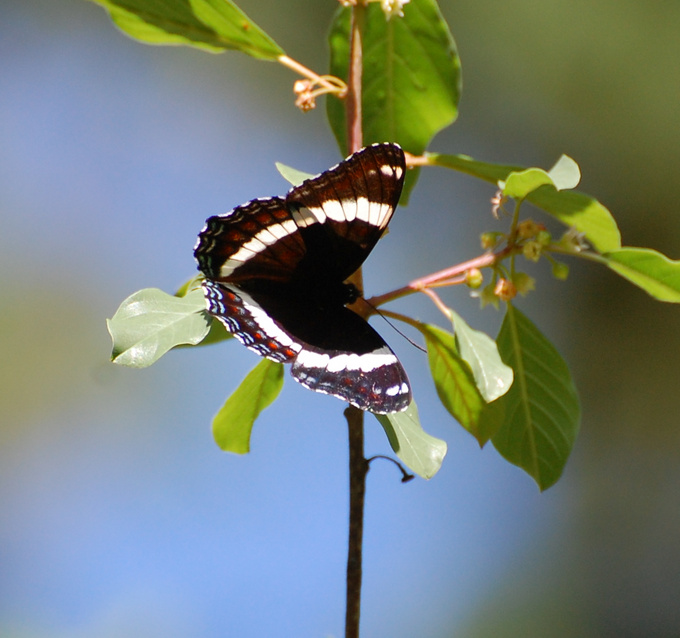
249, 322
333, 350
356, 366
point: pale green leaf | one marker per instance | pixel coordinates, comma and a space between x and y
420, 452
234, 422
211, 25
565, 174
292, 175
150, 322
542, 411
652, 271
492, 376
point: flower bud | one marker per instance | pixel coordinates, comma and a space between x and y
544, 238
474, 278
560, 270
489, 240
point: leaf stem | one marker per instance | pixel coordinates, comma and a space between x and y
329, 82
436, 299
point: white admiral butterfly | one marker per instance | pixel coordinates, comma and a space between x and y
275, 270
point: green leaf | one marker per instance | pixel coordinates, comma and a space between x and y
411, 75
420, 452
453, 378
150, 322
292, 175
233, 424
492, 376
211, 25
565, 174
542, 407
652, 271
582, 212
572, 208
520, 183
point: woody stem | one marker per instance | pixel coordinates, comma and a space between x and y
358, 466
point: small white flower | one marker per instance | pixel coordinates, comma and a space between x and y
393, 8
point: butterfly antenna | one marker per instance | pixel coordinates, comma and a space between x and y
411, 341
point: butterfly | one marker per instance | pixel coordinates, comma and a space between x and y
275, 275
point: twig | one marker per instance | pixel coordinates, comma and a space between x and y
449, 275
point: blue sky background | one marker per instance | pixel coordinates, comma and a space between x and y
119, 516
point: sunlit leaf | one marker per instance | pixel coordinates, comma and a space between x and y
520, 183
211, 25
420, 452
573, 208
542, 411
492, 376
150, 322
582, 212
655, 273
565, 174
233, 424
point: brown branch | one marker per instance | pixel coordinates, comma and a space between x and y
358, 468
448, 276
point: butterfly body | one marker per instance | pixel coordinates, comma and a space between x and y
275, 272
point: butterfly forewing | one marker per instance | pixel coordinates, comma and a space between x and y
354, 201
258, 240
